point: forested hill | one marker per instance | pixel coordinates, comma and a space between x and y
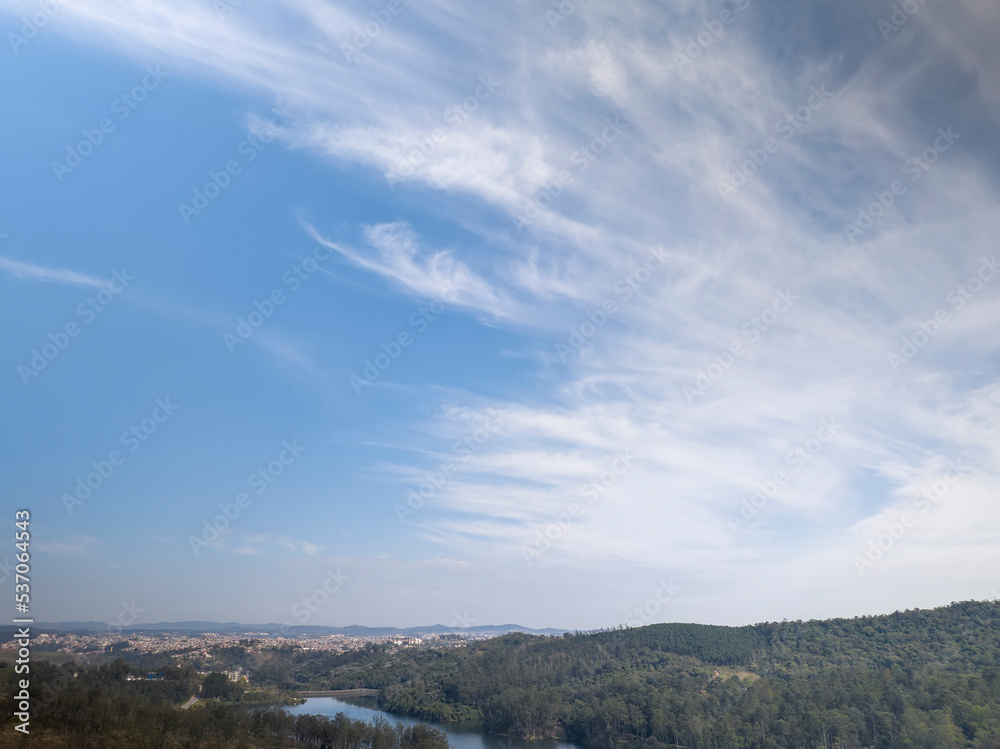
913, 680
959, 637
724, 646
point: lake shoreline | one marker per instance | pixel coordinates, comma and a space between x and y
461, 734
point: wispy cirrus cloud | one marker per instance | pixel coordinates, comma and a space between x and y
399, 259
71, 546
689, 128
31, 272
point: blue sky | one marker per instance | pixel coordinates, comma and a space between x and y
650, 290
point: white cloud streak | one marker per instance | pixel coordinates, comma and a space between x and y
31, 272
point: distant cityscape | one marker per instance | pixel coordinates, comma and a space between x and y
186, 645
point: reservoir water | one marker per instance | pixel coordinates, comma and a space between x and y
458, 737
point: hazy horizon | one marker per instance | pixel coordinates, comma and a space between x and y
536, 628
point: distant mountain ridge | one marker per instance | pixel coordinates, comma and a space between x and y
353, 630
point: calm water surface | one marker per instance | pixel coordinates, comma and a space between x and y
459, 738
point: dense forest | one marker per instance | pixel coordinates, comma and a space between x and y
914, 679
909, 680
97, 708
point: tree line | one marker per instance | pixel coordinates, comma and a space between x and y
98, 708
914, 680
